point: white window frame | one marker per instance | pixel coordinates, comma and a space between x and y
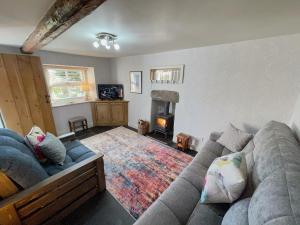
2, 122
71, 100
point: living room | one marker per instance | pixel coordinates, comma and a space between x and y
126, 107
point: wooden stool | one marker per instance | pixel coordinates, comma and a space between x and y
75, 120
183, 141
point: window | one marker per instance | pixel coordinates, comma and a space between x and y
67, 84
2, 125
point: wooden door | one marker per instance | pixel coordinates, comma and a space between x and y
118, 113
24, 98
103, 113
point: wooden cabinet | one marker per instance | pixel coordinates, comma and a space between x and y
110, 113
24, 98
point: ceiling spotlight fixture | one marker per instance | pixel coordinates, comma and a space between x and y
106, 40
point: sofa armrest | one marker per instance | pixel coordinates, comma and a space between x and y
70, 135
55, 197
214, 136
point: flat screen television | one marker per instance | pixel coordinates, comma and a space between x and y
110, 91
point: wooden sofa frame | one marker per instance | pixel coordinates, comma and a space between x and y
49, 201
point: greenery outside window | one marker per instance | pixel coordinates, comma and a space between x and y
68, 85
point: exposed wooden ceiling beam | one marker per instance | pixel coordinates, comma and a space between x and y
60, 17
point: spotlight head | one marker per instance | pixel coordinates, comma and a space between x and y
96, 44
116, 46
103, 42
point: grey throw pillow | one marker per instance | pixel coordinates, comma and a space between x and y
53, 149
234, 139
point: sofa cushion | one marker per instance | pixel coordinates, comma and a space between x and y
226, 151
204, 215
78, 151
52, 169
53, 149
208, 153
20, 167
237, 214
9, 133
214, 136
181, 198
225, 179
248, 151
9, 141
195, 174
275, 148
158, 214
276, 176
234, 139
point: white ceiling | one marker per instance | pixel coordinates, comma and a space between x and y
145, 26
18, 19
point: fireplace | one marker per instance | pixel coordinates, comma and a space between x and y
163, 112
164, 124
164, 121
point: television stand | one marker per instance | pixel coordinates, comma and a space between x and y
110, 112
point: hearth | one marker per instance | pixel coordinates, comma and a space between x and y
164, 122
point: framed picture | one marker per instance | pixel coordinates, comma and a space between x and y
135, 82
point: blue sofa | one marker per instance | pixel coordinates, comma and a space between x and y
18, 162
82, 174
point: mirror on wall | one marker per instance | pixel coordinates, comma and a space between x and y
167, 74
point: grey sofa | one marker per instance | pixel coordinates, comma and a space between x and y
272, 195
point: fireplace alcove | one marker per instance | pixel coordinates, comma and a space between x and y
163, 111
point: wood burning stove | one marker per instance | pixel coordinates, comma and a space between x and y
164, 122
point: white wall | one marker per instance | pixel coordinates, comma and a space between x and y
295, 120
63, 113
246, 83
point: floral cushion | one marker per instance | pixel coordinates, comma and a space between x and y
225, 179
34, 138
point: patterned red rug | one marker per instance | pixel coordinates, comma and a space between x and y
138, 169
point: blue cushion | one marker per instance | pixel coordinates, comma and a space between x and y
55, 168
12, 134
85, 156
72, 144
8, 141
77, 151
20, 167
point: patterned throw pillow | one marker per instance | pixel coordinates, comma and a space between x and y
33, 138
225, 179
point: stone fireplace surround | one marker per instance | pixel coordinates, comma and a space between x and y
159, 97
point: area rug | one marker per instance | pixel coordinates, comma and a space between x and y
137, 168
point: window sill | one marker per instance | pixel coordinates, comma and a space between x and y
59, 104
